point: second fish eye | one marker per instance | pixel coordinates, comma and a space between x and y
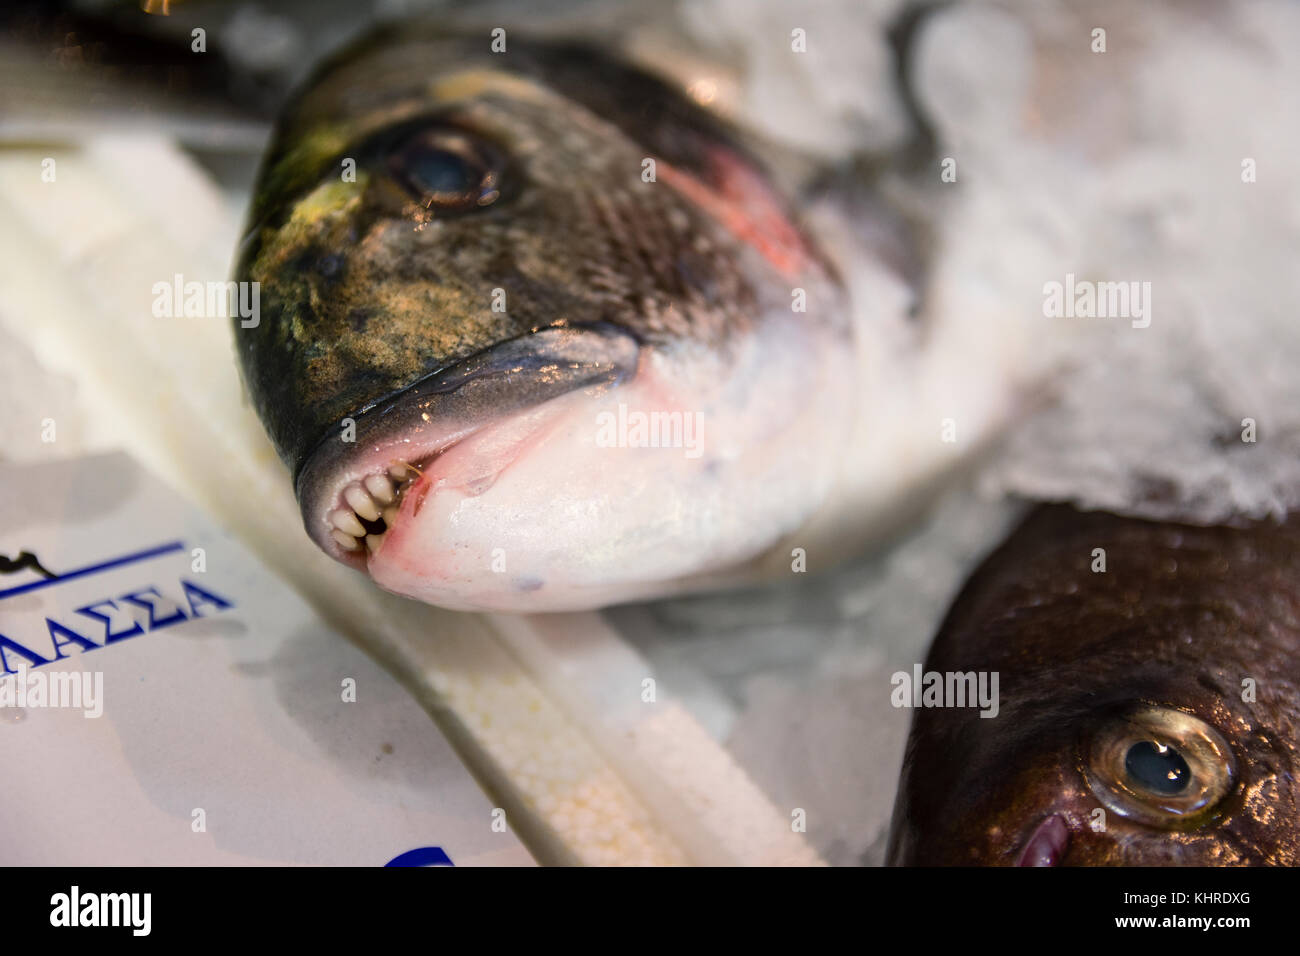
1159, 766
445, 169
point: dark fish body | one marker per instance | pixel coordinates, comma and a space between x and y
533, 241
1149, 714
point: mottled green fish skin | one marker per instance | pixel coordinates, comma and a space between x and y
1179, 618
363, 294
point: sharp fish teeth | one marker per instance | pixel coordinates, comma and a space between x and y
346, 521
360, 502
380, 488
361, 497
346, 541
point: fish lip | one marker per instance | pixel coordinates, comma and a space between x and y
1047, 844
452, 403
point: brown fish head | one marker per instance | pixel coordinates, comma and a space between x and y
491, 283
1147, 714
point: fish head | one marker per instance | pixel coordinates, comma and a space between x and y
1129, 730
536, 332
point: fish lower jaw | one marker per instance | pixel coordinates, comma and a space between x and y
367, 509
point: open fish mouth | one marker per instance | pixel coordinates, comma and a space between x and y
374, 473
369, 507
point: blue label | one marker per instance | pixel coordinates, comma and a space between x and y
422, 856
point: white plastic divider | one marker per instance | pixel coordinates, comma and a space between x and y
698, 792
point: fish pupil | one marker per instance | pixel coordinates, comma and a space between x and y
442, 173
1157, 767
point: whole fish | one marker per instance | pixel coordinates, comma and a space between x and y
536, 331
1149, 701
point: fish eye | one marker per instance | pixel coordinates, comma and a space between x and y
447, 169
1159, 766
